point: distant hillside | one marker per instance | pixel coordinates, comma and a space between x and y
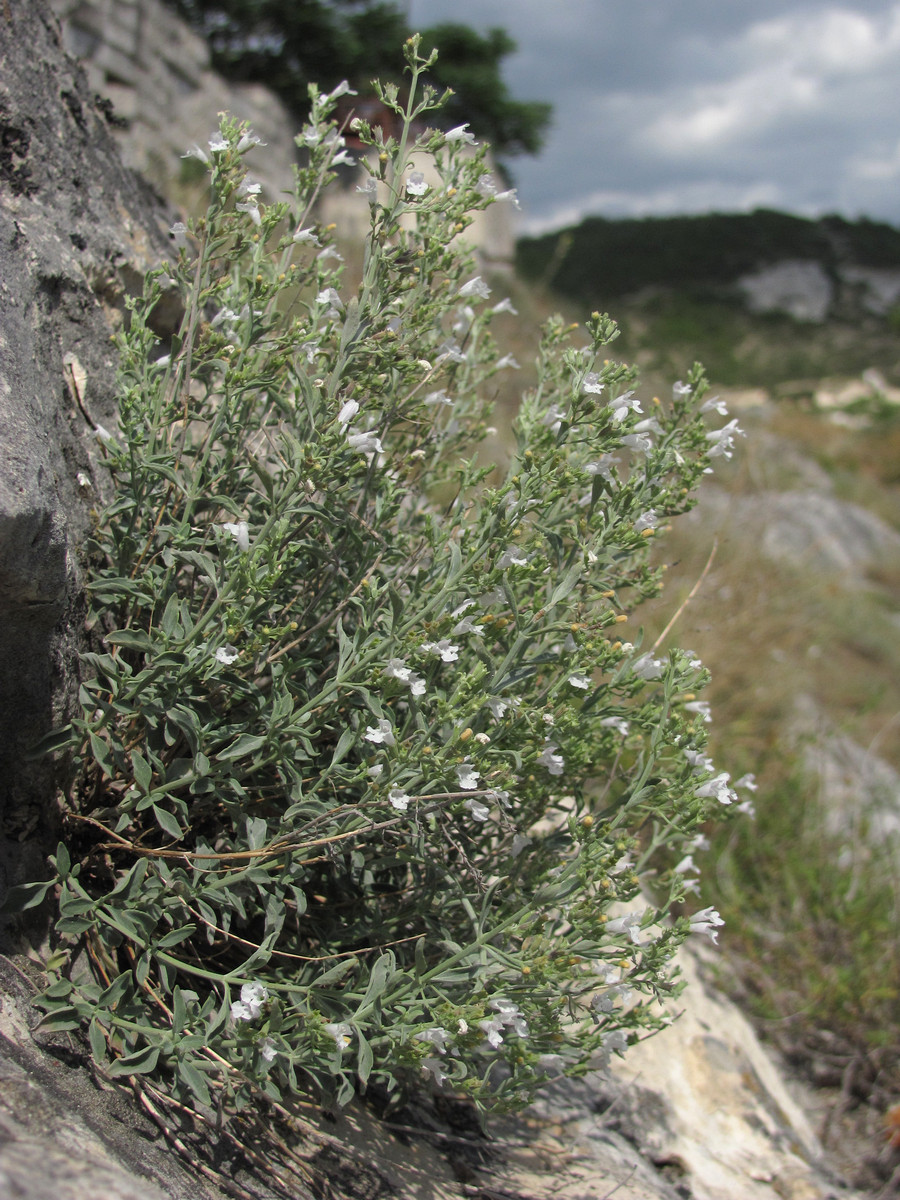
763, 299
602, 260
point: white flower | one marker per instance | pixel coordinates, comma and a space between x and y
580, 680
701, 707
305, 236
554, 417
647, 520
342, 89
603, 466
415, 184
444, 650
376, 770
505, 306
249, 1007
722, 440
196, 152
102, 435
461, 134
487, 188
479, 811
369, 189
637, 441
267, 1050
686, 864
622, 405
497, 706
462, 1026
466, 625
592, 383
248, 141
550, 759
437, 1036
217, 143
365, 443
417, 685
492, 1030
746, 781
507, 360
681, 389
396, 668
252, 210
494, 596
511, 1015
381, 734
648, 667
605, 1002
433, 1066
440, 397
483, 739
512, 557
399, 799
607, 972
329, 252
630, 923
330, 297
179, 233
705, 921
467, 776
617, 723
475, 287
227, 655
349, 409
718, 789
714, 404
240, 531
341, 1032
450, 351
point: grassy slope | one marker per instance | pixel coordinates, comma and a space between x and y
811, 944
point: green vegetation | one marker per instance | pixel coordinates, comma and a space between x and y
287, 46
602, 260
672, 282
809, 891
367, 792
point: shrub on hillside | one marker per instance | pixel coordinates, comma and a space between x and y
367, 784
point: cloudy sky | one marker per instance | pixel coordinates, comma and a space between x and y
679, 106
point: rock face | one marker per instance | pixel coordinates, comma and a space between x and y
156, 74
698, 1111
77, 231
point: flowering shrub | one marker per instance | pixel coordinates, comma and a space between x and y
368, 786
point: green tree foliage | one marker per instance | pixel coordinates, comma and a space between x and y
469, 64
603, 259
287, 46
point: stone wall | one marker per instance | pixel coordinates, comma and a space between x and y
156, 73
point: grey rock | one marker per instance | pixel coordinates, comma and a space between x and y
825, 534
77, 232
